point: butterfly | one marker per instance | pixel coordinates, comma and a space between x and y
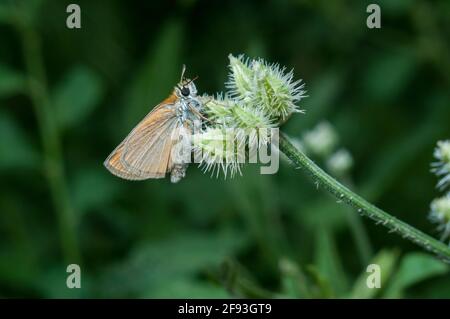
149, 149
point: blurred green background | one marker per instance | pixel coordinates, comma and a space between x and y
68, 97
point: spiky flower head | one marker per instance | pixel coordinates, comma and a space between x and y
216, 149
440, 214
265, 86
261, 97
226, 143
442, 166
230, 113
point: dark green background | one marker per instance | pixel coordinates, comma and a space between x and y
385, 90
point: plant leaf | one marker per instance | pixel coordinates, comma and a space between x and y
76, 97
187, 288
89, 179
11, 81
178, 258
16, 151
414, 268
329, 262
386, 259
390, 74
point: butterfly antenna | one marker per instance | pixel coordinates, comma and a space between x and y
192, 80
183, 70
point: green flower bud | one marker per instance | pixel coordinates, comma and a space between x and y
264, 86
261, 96
241, 77
216, 148
231, 113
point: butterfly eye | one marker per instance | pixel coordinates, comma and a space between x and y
185, 91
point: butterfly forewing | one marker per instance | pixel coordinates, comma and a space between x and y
145, 152
147, 149
114, 164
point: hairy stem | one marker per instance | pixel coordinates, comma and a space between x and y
343, 194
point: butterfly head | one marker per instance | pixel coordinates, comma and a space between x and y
186, 89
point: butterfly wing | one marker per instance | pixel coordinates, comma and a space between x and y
114, 164
147, 149
145, 152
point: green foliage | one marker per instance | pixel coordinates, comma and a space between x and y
414, 268
398, 65
328, 262
158, 72
89, 179
156, 269
11, 82
76, 96
386, 259
17, 152
386, 92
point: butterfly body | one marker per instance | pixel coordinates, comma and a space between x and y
184, 109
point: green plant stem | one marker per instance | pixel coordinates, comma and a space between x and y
53, 162
343, 194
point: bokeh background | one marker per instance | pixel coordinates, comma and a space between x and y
68, 97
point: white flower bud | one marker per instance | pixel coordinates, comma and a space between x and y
440, 214
321, 140
340, 162
442, 167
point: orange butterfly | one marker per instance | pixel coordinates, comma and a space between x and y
147, 152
